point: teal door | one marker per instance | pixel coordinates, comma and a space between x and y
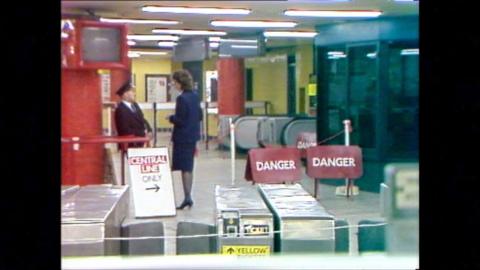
291, 86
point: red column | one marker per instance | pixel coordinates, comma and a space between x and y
231, 86
82, 116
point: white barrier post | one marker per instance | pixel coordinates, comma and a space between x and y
349, 189
232, 149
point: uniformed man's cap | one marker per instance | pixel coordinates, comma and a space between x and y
124, 88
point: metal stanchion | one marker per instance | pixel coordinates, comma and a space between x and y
349, 187
232, 149
206, 125
154, 124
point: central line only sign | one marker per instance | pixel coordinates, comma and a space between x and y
151, 182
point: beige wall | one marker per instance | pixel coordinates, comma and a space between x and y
141, 67
304, 60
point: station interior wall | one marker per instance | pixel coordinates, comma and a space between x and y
269, 80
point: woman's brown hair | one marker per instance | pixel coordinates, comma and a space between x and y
184, 78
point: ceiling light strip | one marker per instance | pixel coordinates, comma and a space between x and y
166, 44
244, 47
256, 24
138, 21
153, 37
192, 10
333, 13
289, 34
189, 32
147, 53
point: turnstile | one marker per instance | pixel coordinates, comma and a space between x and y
90, 215
244, 223
300, 222
270, 129
293, 128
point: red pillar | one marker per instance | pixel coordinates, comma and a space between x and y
81, 116
231, 86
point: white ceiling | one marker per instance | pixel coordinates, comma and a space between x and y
261, 10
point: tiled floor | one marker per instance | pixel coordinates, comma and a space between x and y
212, 167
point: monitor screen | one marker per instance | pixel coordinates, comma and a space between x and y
191, 49
101, 44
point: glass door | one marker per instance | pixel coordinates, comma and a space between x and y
336, 77
363, 91
403, 109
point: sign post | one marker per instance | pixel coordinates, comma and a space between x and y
151, 181
334, 161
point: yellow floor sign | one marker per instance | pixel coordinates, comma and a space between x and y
246, 250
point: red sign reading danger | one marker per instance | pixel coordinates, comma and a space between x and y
334, 161
273, 165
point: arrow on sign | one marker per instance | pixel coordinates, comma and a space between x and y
156, 188
230, 250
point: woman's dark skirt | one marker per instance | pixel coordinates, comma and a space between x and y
182, 156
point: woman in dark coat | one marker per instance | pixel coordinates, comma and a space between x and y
186, 131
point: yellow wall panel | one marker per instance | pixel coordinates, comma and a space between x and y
154, 65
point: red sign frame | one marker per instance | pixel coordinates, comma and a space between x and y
334, 161
273, 165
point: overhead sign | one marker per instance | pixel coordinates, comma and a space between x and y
334, 161
273, 165
151, 182
246, 250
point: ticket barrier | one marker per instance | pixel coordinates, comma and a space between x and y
301, 223
400, 206
244, 223
89, 215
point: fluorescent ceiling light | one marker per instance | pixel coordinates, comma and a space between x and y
147, 53
218, 39
333, 13
192, 10
335, 53
372, 55
153, 37
410, 52
166, 44
231, 40
214, 44
133, 55
337, 56
138, 21
289, 34
131, 42
244, 46
189, 32
214, 39
258, 24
